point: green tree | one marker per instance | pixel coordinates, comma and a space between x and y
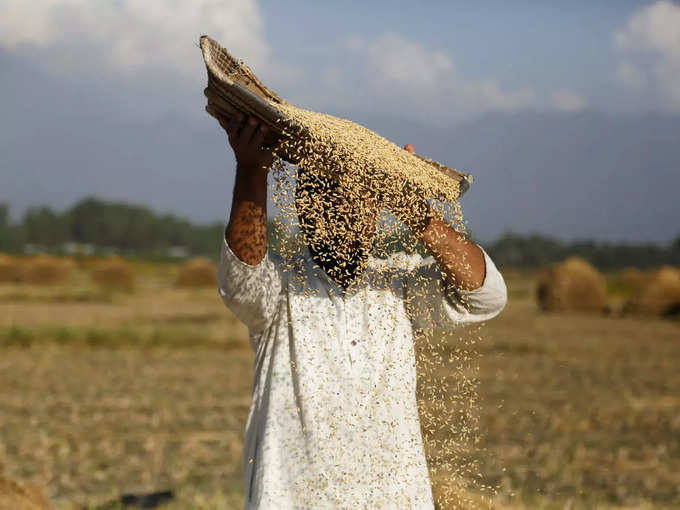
45, 227
11, 235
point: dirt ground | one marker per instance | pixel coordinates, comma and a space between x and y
103, 393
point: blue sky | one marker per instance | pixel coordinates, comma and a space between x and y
544, 46
106, 98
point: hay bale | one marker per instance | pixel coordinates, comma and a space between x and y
47, 270
573, 285
197, 272
659, 297
10, 269
16, 496
113, 273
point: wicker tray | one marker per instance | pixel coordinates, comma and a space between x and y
233, 88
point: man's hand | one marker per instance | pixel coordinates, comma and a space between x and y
246, 137
246, 232
461, 260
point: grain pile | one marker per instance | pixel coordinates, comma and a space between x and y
659, 297
197, 272
573, 285
372, 181
113, 274
10, 269
47, 270
351, 153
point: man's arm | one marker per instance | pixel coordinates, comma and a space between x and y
461, 260
246, 232
247, 281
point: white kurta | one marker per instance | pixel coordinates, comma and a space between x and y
334, 420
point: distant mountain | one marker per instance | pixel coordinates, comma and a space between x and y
585, 175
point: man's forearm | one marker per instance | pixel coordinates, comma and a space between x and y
247, 229
461, 260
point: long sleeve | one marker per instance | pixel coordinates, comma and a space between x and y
432, 303
250, 292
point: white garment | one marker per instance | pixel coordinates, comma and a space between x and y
334, 420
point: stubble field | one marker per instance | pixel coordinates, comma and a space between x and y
109, 392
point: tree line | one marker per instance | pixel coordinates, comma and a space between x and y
102, 226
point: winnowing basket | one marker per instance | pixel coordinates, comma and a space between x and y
233, 88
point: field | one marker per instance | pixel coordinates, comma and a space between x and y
105, 392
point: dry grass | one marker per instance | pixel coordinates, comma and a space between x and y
572, 286
197, 272
577, 411
114, 273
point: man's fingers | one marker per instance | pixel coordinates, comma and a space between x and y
247, 131
232, 128
258, 137
224, 122
233, 124
410, 148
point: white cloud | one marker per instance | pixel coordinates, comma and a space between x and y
129, 37
402, 62
568, 101
422, 81
649, 48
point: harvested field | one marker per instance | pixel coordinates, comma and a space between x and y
150, 390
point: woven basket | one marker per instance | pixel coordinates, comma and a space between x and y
233, 88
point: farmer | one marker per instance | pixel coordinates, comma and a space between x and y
334, 420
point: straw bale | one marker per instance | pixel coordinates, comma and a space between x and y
47, 270
659, 297
573, 285
197, 272
16, 496
10, 269
113, 273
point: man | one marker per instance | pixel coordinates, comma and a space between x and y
334, 421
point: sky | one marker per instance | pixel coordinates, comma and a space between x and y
567, 114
